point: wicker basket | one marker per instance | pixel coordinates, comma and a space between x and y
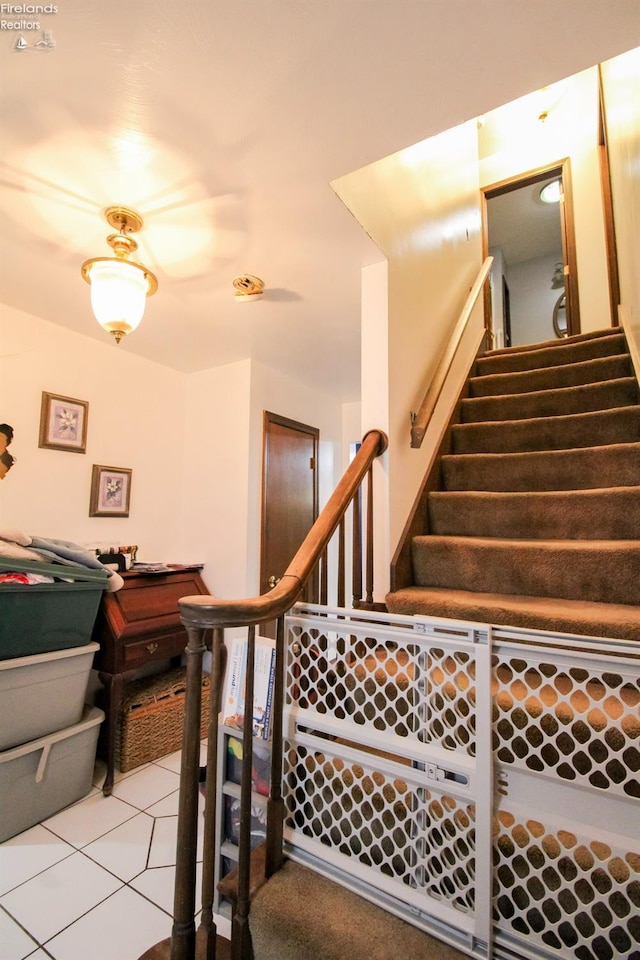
152, 715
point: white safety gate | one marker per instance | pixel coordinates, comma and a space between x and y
481, 783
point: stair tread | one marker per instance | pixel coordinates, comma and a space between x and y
616, 621
332, 922
596, 570
549, 355
580, 373
596, 513
514, 543
620, 392
567, 431
631, 446
587, 493
558, 469
563, 342
560, 391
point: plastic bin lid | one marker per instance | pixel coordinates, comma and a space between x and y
90, 718
70, 571
35, 658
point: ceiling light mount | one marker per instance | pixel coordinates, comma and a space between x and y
119, 286
124, 219
248, 287
551, 192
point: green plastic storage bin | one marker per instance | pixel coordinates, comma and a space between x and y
38, 618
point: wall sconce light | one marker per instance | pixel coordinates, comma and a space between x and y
119, 286
248, 288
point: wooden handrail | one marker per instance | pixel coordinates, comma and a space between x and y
206, 611
431, 397
199, 614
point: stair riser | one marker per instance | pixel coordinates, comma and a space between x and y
590, 571
585, 515
581, 469
552, 378
551, 356
551, 403
621, 425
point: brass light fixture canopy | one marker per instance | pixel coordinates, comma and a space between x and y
119, 286
124, 219
248, 287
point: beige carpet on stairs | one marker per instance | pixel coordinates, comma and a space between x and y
536, 522
300, 915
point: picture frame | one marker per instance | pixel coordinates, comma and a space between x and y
63, 423
110, 491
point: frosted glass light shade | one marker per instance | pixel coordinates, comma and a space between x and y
118, 294
552, 191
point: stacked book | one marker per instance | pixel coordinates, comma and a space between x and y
233, 703
122, 556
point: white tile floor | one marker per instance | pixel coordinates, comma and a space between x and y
95, 881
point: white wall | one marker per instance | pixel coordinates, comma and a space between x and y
216, 479
136, 420
498, 271
374, 352
621, 83
422, 210
532, 300
194, 443
513, 141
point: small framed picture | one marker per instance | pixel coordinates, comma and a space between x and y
63, 423
110, 491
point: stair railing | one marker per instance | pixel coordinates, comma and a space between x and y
201, 614
421, 420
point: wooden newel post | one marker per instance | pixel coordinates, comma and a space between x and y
183, 932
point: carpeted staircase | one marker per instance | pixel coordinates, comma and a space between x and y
536, 522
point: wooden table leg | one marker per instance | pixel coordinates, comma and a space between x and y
114, 684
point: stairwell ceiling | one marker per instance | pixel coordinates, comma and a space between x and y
223, 123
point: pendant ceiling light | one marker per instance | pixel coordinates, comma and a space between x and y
119, 286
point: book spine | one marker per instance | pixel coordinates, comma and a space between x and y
234, 694
266, 733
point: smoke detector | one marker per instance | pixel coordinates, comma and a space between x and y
248, 287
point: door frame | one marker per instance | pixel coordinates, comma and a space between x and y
607, 206
562, 168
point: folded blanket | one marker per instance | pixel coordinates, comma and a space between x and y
20, 546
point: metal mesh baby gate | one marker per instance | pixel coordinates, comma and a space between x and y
480, 782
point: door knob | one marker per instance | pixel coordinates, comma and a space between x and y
272, 581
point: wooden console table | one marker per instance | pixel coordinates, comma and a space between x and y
136, 625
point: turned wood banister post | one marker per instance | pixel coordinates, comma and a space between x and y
183, 934
207, 924
241, 937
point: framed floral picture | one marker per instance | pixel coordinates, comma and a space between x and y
63, 423
110, 491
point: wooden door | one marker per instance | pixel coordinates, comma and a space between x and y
289, 495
